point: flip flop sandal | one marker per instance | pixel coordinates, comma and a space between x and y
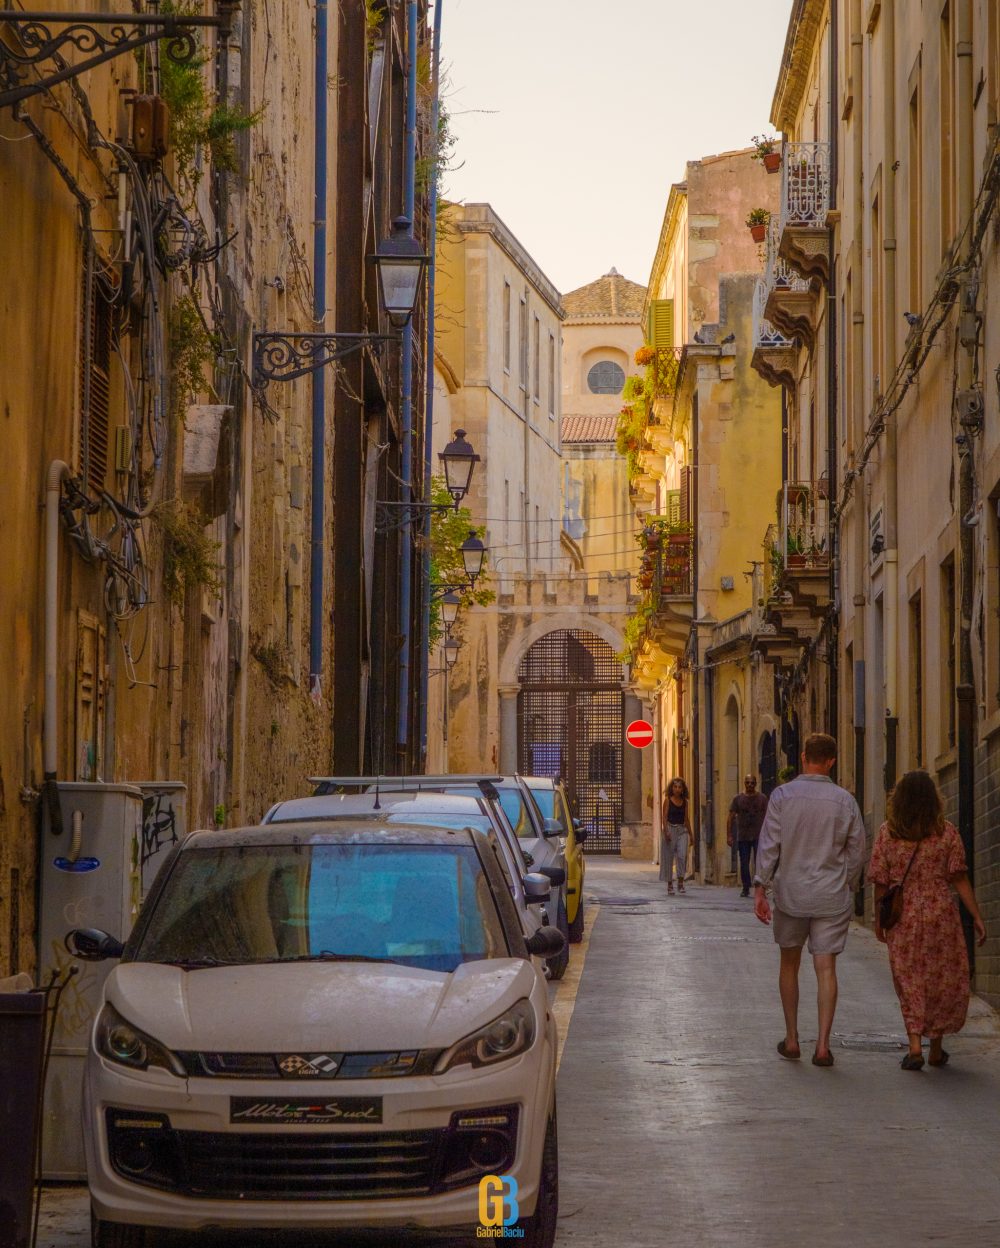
939, 1061
822, 1061
912, 1061
784, 1052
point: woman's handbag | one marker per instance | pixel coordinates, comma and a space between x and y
890, 906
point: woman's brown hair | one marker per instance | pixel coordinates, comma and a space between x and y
684, 788
915, 808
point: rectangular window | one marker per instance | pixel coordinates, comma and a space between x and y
948, 644
877, 328
538, 361
916, 682
915, 189
945, 105
523, 345
552, 375
506, 327
96, 337
506, 512
538, 531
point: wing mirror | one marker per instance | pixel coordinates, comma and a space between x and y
580, 831
92, 945
552, 827
547, 942
536, 888
555, 875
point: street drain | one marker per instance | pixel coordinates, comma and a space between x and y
624, 901
866, 1043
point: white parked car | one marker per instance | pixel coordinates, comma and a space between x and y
322, 1025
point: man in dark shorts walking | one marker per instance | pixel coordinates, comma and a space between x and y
746, 814
812, 845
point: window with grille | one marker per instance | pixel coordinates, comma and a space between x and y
96, 330
606, 377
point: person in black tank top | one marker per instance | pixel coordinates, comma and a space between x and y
675, 835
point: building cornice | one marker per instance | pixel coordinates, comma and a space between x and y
668, 233
481, 219
793, 75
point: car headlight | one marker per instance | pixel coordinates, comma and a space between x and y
119, 1041
505, 1037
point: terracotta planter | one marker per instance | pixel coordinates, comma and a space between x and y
771, 161
758, 233
679, 539
796, 561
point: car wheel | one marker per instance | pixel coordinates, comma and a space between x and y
118, 1234
557, 965
576, 926
540, 1228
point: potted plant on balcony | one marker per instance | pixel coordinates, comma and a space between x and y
795, 552
765, 153
757, 219
645, 356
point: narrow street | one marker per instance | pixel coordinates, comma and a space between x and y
680, 1125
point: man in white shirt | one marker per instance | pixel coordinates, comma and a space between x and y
812, 845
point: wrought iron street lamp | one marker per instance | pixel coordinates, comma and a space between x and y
401, 265
450, 604
459, 461
473, 554
451, 648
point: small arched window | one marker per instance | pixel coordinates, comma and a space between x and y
606, 377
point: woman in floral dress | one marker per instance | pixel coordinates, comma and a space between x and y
930, 966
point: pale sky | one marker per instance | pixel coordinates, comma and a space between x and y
573, 117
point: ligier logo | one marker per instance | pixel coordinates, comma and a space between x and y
498, 1210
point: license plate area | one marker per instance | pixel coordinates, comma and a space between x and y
305, 1111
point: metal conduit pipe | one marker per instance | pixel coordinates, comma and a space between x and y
58, 472
891, 630
406, 413
317, 543
861, 552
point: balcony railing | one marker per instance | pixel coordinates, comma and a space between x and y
764, 333
778, 273
806, 524
805, 184
667, 569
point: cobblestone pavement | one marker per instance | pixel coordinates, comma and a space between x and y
680, 1125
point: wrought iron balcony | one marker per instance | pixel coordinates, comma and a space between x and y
774, 354
805, 202
791, 305
807, 524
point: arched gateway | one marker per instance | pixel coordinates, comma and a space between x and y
570, 713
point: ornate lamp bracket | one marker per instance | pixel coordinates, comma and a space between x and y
31, 43
283, 357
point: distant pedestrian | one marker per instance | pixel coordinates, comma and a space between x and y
675, 835
746, 814
927, 954
812, 844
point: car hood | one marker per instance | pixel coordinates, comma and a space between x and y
352, 1007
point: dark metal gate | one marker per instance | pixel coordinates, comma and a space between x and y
571, 725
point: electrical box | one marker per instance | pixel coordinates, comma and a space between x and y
96, 882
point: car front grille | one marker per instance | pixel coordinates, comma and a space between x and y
310, 1165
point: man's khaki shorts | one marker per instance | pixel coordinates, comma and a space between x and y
827, 933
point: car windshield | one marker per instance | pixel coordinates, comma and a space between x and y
426, 906
516, 810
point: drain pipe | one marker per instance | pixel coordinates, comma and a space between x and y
406, 413
861, 551
891, 556
425, 579
317, 542
58, 472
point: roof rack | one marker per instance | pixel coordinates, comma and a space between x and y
328, 784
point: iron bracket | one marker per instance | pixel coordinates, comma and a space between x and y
283, 357
28, 43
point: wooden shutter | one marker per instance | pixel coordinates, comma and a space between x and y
95, 366
685, 495
660, 327
673, 507
91, 644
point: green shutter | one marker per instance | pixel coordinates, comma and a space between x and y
673, 511
660, 329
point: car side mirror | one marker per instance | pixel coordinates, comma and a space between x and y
552, 827
92, 945
556, 875
547, 942
536, 888
580, 831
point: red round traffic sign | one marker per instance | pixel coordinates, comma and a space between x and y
639, 733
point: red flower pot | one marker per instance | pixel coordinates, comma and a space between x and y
771, 161
758, 233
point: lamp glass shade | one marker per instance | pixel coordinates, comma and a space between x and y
401, 265
459, 460
473, 554
451, 652
449, 608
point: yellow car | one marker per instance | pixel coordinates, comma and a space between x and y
553, 802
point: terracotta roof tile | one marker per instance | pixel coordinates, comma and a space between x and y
589, 428
611, 297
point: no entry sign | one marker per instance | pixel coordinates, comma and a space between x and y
639, 733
